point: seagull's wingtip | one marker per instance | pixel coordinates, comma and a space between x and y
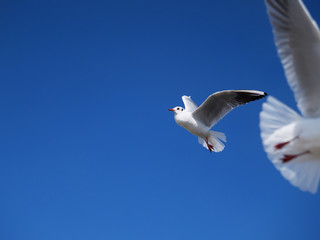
185, 96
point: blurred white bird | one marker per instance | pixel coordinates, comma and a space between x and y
199, 120
291, 141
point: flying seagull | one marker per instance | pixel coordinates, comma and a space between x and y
199, 120
292, 141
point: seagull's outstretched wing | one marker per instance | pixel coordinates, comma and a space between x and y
219, 104
297, 38
189, 105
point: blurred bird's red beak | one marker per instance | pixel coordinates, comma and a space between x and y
170, 109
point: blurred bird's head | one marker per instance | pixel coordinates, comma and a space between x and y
176, 110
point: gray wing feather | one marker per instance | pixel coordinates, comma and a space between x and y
297, 38
217, 105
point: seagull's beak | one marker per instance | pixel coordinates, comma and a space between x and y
170, 109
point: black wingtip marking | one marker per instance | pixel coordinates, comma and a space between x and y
246, 97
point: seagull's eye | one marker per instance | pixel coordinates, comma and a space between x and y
181, 109
178, 108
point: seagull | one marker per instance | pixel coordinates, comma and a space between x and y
292, 140
199, 120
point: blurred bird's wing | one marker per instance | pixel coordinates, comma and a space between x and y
217, 105
297, 38
189, 105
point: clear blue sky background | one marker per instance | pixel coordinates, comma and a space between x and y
89, 149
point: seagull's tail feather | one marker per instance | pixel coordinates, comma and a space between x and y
214, 139
277, 124
275, 115
304, 173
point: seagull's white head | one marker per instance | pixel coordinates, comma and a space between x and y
176, 110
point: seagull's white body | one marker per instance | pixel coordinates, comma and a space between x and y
186, 120
199, 120
292, 141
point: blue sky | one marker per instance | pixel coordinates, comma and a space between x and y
89, 149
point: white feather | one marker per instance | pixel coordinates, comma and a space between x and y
214, 139
279, 124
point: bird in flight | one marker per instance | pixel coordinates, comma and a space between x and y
199, 120
292, 141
